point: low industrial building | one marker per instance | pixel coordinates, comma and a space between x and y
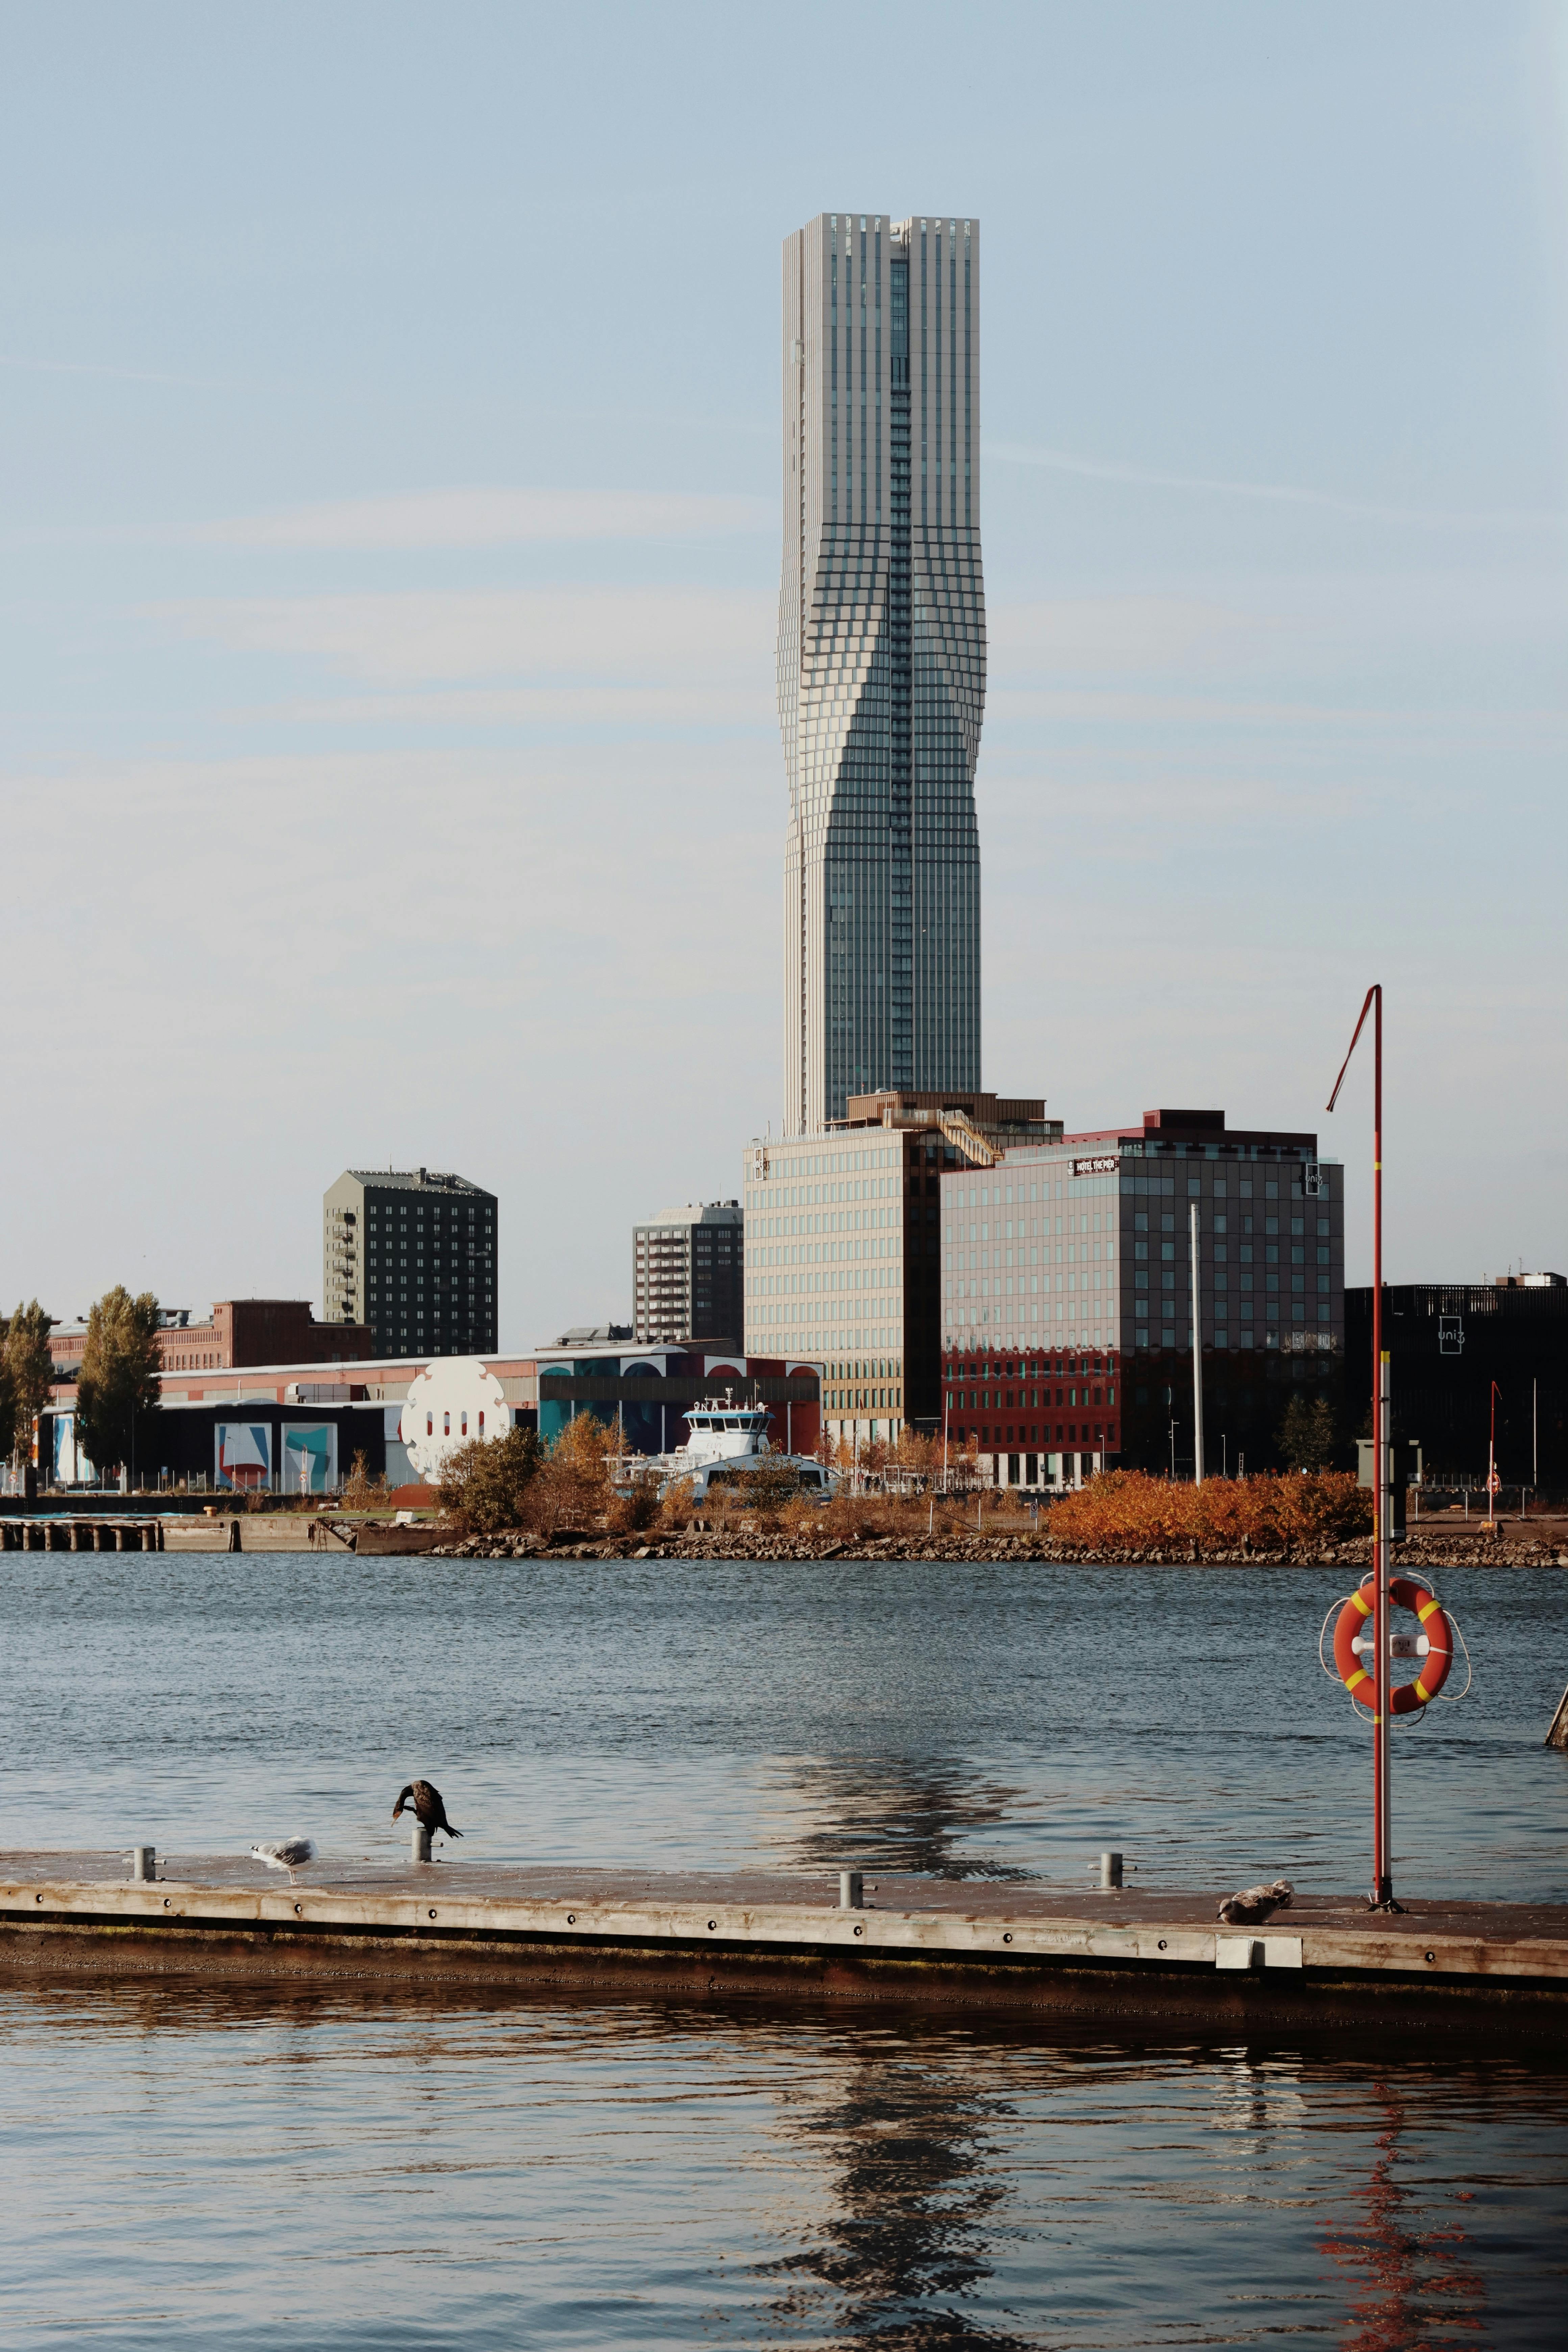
1069, 1314
237, 1331
284, 1428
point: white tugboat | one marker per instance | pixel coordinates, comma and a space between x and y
725, 1442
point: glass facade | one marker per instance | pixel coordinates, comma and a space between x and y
827, 1259
882, 660
1081, 1250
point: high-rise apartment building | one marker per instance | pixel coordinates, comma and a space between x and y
881, 659
688, 1274
413, 1254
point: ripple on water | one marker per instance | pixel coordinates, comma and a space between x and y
203, 2167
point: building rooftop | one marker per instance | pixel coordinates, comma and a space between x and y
415, 1180
692, 1213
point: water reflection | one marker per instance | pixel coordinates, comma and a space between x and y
485, 2172
878, 1812
917, 2186
1405, 2278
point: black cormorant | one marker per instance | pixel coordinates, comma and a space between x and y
428, 1810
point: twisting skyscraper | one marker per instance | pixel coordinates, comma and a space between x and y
881, 659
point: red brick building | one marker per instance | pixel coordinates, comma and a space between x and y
238, 1331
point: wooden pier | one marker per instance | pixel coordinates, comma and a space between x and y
1131, 1960
132, 1532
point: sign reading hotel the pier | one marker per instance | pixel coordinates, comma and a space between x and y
1106, 1165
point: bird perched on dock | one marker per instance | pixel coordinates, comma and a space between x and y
1256, 1904
428, 1810
288, 1854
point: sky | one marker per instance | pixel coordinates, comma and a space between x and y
389, 512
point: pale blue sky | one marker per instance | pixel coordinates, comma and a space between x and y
390, 533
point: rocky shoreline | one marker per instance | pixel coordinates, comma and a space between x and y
571, 1543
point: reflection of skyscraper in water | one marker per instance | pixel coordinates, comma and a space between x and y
917, 2178
868, 1812
881, 659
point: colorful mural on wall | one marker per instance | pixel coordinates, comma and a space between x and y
244, 1453
70, 1465
310, 1458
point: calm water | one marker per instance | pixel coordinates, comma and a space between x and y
204, 2167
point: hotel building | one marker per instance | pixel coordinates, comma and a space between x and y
1068, 1307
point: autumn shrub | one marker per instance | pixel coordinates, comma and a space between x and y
1129, 1509
801, 1517
487, 1485
363, 1493
637, 1510
572, 1488
678, 1503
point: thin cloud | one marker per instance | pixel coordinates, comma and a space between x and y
1105, 470
407, 638
1119, 633
116, 374
485, 517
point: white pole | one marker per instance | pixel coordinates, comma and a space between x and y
1197, 1349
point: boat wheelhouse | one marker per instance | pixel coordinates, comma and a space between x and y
726, 1442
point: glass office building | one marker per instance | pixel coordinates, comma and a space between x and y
843, 1246
1069, 1268
881, 659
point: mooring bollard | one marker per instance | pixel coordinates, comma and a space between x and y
850, 1891
143, 1861
421, 1842
1110, 1869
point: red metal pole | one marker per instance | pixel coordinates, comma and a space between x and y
1381, 1855
1382, 1898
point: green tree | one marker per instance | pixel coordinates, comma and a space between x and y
9, 1417
29, 1373
1306, 1433
119, 1381
484, 1483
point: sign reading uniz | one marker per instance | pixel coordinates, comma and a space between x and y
1106, 1165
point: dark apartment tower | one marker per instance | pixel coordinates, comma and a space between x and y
413, 1254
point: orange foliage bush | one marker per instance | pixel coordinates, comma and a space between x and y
1128, 1508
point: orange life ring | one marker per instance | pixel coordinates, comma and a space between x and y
1403, 1697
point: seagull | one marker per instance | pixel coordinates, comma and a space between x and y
428, 1810
1256, 1904
288, 1854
